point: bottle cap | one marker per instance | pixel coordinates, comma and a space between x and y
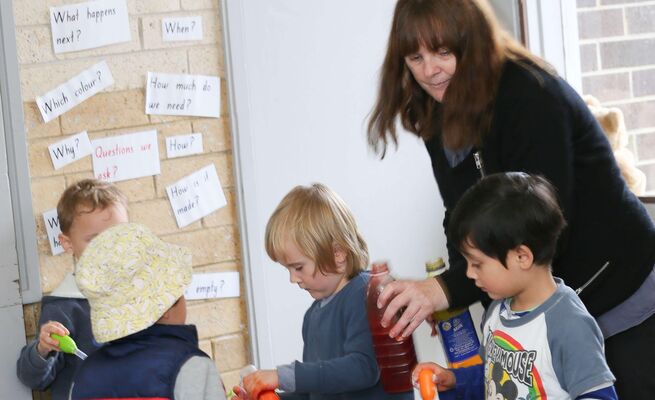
247, 370
436, 267
67, 345
427, 386
379, 267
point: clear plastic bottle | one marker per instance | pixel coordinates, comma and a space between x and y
458, 336
396, 359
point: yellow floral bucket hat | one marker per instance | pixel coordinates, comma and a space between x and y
130, 277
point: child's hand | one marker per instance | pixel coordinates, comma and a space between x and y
47, 344
239, 394
444, 378
259, 381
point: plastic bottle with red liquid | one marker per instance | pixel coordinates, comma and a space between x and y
396, 358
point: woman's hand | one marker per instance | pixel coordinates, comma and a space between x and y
419, 299
259, 381
444, 378
46, 343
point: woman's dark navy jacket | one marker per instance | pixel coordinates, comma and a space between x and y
542, 126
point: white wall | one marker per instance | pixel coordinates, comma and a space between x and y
303, 79
11, 307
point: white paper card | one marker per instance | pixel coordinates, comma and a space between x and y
181, 28
213, 285
70, 149
197, 95
196, 196
51, 220
74, 91
88, 25
119, 158
184, 145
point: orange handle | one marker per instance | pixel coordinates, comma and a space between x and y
426, 384
269, 395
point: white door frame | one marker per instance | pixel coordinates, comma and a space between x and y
11, 304
231, 11
552, 33
15, 145
16, 218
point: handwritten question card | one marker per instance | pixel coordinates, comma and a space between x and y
88, 25
181, 28
184, 145
196, 95
70, 149
130, 156
196, 195
213, 285
74, 91
51, 220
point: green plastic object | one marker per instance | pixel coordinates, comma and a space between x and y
67, 345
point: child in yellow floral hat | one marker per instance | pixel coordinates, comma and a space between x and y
135, 286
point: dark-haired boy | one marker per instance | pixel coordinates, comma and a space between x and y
539, 341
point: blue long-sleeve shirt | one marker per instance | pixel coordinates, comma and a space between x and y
338, 357
56, 371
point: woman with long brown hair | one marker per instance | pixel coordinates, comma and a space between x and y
482, 103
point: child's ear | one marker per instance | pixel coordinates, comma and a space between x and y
524, 256
66, 243
165, 316
340, 257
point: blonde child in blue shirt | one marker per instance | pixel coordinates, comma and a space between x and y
313, 234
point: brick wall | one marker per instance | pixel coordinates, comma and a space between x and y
617, 54
214, 241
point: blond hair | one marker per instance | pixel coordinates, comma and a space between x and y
317, 221
88, 193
